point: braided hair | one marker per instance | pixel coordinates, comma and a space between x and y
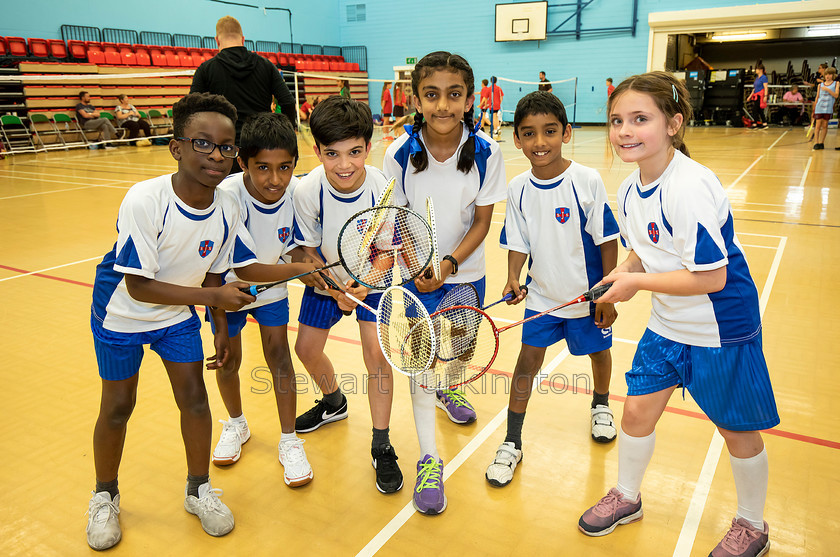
443, 61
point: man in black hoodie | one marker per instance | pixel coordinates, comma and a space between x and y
246, 79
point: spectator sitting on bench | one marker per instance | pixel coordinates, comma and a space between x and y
90, 119
129, 118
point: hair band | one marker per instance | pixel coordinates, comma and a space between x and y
676, 97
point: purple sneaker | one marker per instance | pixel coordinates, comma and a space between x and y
743, 540
611, 511
428, 491
456, 406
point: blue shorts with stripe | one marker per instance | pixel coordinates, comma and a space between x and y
119, 354
430, 300
582, 335
275, 314
322, 312
731, 384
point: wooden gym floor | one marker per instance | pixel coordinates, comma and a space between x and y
59, 211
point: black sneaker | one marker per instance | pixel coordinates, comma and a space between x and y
320, 414
389, 478
818, 146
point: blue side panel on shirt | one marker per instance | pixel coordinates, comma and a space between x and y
224, 220
481, 163
610, 224
736, 306
706, 250
503, 237
105, 283
241, 252
402, 156
591, 252
128, 255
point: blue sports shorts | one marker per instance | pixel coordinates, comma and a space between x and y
582, 335
731, 384
322, 312
119, 354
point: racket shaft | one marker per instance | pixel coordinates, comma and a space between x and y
588, 296
255, 289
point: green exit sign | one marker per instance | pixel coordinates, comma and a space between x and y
412, 60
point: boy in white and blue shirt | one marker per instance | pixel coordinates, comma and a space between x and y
558, 220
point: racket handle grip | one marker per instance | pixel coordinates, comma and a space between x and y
253, 290
597, 291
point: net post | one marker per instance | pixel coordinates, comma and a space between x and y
574, 110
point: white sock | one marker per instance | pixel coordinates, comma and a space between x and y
288, 436
634, 454
423, 405
751, 475
240, 419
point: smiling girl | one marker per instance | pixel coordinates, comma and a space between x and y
704, 332
443, 157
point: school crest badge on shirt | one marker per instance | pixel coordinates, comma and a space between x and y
283, 234
205, 247
360, 225
653, 232
562, 214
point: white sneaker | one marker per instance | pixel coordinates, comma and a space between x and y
143, 142
229, 448
500, 473
103, 527
216, 518
603, 426
296, 468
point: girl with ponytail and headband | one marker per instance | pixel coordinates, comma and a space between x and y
444, 157
704, 332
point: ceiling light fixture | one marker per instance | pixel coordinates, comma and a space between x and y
739, 37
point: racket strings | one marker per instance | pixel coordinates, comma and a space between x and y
385, 246
466, 346
405, 331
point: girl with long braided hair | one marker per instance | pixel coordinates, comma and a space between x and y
444, 157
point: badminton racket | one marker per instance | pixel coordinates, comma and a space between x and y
809, 133
403, 239
468, 341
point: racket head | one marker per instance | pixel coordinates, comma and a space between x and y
430, 217
399, 248
405, 331
467, 342
463, 294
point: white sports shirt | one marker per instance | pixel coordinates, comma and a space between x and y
454, 194
271, 229
321, 211
560, 223
162, 238
683, 221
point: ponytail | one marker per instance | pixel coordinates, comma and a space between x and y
467, 157
420, 159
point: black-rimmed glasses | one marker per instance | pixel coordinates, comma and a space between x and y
206, 147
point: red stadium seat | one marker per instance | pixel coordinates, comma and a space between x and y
283, 60
272, 56
39, 48
128, 58
172, 59
184, 57
17, 46
58, 49
4, 49
197, 57
354, 66
95, 54
157, 55
141, 52
77, 50
334, 67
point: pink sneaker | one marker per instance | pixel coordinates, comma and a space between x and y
608, 513
743, 540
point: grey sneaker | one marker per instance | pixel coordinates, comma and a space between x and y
215, 517
103, 527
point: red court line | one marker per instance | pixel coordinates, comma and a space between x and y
52, 277
572, 388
